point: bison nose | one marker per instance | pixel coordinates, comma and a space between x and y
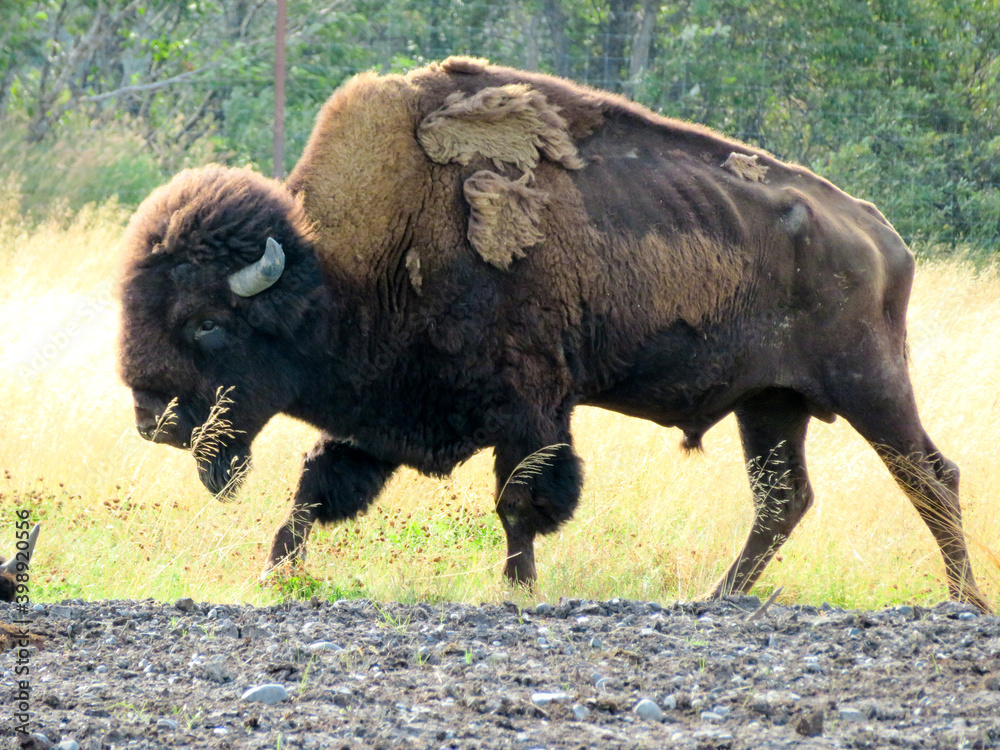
146, 422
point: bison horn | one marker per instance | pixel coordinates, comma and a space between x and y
11, 565
257, 277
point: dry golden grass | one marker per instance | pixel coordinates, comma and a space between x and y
125, 518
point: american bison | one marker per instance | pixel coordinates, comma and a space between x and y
465, 253
14, 572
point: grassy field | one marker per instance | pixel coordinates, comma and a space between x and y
127, 519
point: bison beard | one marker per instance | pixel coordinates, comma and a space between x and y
223, 472
466, 253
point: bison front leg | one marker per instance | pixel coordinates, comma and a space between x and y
538, 485
773, 431
338, 481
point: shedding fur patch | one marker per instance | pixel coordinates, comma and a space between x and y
705, 278
413, 269
746, 167
512, 124
505, 216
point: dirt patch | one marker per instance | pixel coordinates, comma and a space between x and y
354, 674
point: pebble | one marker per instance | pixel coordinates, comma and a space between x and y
967, 616
68, 745
185, 604
227, 628
851, 714
324, 646
215, 669
544, 699
649, 711
269, 694
544, 608
613, 667
810, 725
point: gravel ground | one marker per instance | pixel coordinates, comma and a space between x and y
578, 674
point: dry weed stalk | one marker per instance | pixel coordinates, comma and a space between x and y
208, 439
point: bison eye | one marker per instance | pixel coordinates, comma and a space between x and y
209, 334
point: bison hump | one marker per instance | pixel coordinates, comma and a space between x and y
512, 124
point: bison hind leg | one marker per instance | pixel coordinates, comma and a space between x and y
772, 426
884, 412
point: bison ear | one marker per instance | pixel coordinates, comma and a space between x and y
509, 124
504, 216
260, 275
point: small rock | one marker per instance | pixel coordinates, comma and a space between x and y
595, 643
215, 670
324, 646
710, 716
712, 738
227, 628
992, 682
967, 616
68, 745
497, 658
543, 699
268, 694
35, 741
37, 607
580, 711
185, 604
649, 711
851, 714
101, 669
544, 608
722, 711
810, 725
169, 725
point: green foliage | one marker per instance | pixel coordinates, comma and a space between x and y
897, 101
301, 586
81, 164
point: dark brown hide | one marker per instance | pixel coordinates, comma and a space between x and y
472, 251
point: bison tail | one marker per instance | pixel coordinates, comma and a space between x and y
692, 442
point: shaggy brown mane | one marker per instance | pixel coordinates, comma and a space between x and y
212, 212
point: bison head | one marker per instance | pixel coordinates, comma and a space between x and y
220, 298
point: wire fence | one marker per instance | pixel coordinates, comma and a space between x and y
898, 112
